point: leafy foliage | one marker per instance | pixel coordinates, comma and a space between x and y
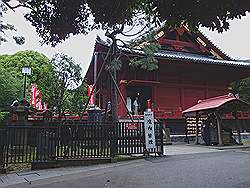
244, 89
67, 76
150, 47
56, 79
55, 20
11, 89
8, 27
114, 65
41, 69
212, 14
19, 39
4, 116
76, 99
245, 93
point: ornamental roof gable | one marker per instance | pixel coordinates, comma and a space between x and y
181, 39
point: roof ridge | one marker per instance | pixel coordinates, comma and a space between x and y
228, 96
193, 57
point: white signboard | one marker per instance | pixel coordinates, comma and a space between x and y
149, 130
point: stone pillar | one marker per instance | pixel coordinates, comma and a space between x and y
20, 135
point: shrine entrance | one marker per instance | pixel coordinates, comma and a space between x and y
138, 96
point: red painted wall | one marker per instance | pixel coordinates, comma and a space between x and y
180, 86
175, 85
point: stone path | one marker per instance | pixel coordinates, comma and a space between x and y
182, 149
30, 176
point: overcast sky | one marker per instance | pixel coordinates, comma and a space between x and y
234, 42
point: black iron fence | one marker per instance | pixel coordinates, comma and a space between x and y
3, 132
73, 140
131, 138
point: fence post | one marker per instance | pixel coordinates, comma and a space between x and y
113, 140
2, 150
145, 151
161, 138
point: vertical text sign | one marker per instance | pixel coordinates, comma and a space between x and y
149, 130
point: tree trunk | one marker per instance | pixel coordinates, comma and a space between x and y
114, 98
220, 131
113, 88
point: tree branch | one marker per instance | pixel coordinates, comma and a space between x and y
131, 35
15, 7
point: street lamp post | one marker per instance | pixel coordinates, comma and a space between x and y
26, 71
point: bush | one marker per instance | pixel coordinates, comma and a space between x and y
4, 116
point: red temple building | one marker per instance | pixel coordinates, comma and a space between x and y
191, 68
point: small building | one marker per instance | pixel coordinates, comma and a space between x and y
191, 68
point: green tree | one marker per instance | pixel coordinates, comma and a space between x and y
57, 79
76, 99
41, 69
67, 76
11, 89
244, 90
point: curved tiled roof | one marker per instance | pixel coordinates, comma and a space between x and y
183, 56
196, 58
213, 103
